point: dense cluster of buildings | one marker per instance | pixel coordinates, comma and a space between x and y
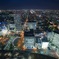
32, 30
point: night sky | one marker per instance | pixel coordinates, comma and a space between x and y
29, 4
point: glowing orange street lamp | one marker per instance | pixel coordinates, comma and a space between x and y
34, 49
23, 48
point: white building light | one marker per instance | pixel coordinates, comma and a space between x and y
4, 31
45, 45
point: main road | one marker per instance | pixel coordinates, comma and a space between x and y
9, 42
